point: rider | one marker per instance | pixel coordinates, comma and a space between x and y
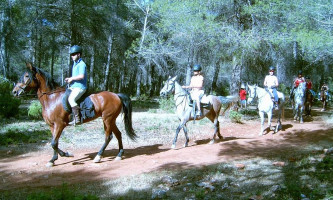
242, 96
297, 81
271, 82
196, 84
324, 89
78, 82
309, 85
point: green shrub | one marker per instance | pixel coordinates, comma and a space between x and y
167, 104
248, 112
9, 105
235, 116
283, 88
35, 110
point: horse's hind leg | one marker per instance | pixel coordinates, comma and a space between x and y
217, 129
108, 137
117, 133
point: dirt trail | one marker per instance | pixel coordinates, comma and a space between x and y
240, 142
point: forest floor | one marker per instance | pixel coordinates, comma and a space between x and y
22, 166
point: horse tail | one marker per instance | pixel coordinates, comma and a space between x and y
127, 110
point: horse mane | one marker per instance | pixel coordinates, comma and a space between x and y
48, 80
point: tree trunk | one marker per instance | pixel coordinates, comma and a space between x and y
138, 82
92, 65
108, 64
235, 76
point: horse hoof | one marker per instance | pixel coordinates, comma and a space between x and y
173, 146
212, 142
49, 164
69, 154
185, 145
118, 158
97, 159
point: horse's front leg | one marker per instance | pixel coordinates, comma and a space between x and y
269, 123
301, 115
295, 113
180, 126
186, 136
56, 133
262, 121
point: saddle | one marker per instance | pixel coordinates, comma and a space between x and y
87, 108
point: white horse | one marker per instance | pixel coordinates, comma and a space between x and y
185, 111
299, 101
266, 105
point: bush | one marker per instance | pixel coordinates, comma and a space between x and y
235, 116
167, 104
35, 110
9, 105
283, 88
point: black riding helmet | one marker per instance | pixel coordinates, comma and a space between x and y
299, 72
75, 49
196, 67
271, 68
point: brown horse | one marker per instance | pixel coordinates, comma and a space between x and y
308, 102
107, 105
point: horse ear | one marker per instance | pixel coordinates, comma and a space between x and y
30, 67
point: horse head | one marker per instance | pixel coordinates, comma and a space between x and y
27, 82
168, 87
252, 93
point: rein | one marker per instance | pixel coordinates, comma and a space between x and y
51, 92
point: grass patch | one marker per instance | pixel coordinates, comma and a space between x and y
15, 136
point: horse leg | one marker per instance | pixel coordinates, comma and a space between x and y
108, 137
216, 122
301, 114
56, 132
186, 136
181, 125
117, 133
269, 123
262, 120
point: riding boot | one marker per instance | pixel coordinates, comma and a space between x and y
76, 116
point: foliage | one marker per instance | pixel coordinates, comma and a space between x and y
167, 104
135, 44
9, 105
283, 88
35, 110
15, 136
64, 192
248, 112
235, 116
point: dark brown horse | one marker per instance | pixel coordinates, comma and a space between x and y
107, 105
308, 102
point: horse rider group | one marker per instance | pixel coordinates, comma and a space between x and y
78, 84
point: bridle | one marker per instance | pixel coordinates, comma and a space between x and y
254, 91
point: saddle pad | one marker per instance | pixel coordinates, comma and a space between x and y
87, 108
